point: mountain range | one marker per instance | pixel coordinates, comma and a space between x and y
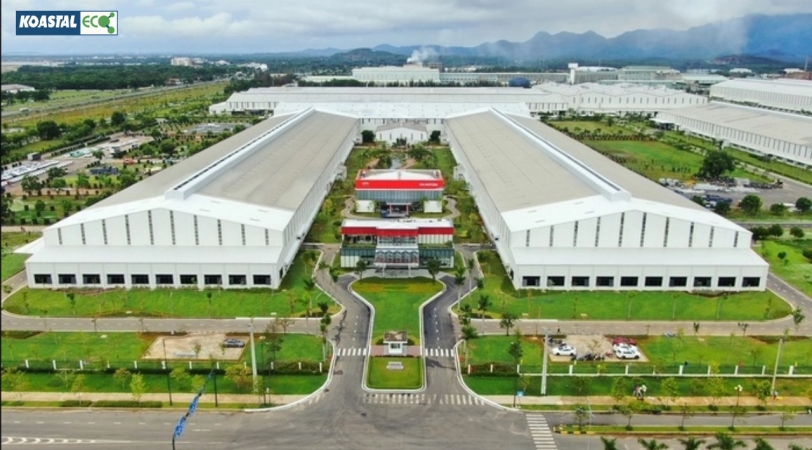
782, 37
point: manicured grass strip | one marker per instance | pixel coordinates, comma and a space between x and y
12, 240
609, 305
396, 302
692, 431
71, 347
13, 264
294, 347
156, 383
797, 173
410, 377
795, 269
570, 386
289, 301
488, 349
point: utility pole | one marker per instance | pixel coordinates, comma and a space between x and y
253, 354
544, 363
777, 360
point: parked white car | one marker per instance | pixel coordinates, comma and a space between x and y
624, 346
627, 353
564, 350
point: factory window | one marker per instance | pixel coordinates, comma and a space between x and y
552, 235
531, 281
219, 232
575, 235
751, 282
527, 238
212, 279
678, 281
262, 280
665, 237
555, 281
605, 281
654, 281
115, 279
188, 279
726, 282
237, 280
92, 278
197, 236
42, 278
691, 236
710, 241
164, 279
242, 233
267, 239
67, 278
59, 234
629, 281
82, 229
172, 225
580, 281
620, 235
598, 232
702, 281
736, 239
151, 235
139, 279
643, 230
127, 227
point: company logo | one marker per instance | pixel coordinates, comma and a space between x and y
67, 23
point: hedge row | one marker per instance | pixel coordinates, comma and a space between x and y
110, 404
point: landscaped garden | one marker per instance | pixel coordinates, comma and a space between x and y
397, 302
409, 376
291, 300
617, 305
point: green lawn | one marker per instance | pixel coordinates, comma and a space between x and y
728, 351
67, 97
19, 346
379, 377
396, 302
602, 305
657, 160
289, 301
14, 263
797, 173
494, 349
156, 383
294, 347
568, 386
795, 269
588, 125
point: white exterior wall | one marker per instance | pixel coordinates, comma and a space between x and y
433, 206
434, 238
411, 136
763, 97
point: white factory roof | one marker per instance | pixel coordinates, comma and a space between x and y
406, 224
524, 164
381, 110
618, 89
777, 125
780, 86
408, 126
311, 95
652, 257
385, 174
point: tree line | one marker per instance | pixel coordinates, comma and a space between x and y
110, 77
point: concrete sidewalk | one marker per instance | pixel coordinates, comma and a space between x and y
179, 398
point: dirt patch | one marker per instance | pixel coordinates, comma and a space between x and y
183, 348
595, 344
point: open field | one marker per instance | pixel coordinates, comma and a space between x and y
568, 386
294, 347
289, 301
657, 160
14, 263
156, 383
410, 377
18, 346
494, 349
396, 302
69, 97
621, 305
795, 269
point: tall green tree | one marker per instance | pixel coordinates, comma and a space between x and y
48, 130
803, 204
751, 204
483, 304
507, 321
652, 444
433, 265
118, 118
724, 441
716, 163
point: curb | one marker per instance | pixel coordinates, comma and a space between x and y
560, 430
470, 391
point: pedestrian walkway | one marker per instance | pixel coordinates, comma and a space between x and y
439, 352
14, 440
422, 399
351, 351
540, 431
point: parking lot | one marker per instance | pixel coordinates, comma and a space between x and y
595, 344
183, 348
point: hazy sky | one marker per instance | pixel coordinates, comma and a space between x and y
246, 26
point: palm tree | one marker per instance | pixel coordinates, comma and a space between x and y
470, 264
726, 442
465, 317
761, 444
691, 443
652, 444
609, 443
309, 285
482, 305
508, 321
433, 265
468, 333
459, 280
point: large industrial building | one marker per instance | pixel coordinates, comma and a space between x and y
231, 216
620, 99
783, 94
783, 136
399, 191
562, 216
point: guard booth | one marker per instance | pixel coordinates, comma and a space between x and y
395, 342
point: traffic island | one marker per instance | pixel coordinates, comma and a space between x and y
395, 373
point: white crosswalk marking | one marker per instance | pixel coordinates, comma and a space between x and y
351, 351
438, 352
421, 399
540, 431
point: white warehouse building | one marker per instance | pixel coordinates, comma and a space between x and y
231, 216
620, 99
784, 94
783, 136
563, 217
410, 73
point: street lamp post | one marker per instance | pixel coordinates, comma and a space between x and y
738, 389
777, 361
253, 355
544, 363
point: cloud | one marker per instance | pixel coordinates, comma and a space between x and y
181, 6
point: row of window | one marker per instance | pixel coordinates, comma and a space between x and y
585, 281
160, 279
